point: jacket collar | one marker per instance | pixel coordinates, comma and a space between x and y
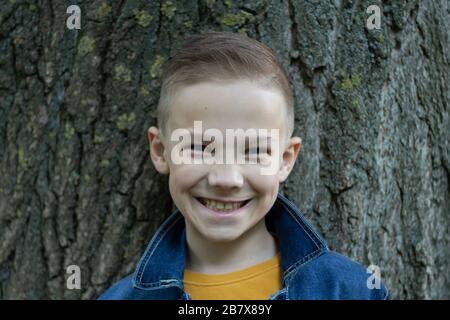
163, 263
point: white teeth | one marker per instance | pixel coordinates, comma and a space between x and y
222, 206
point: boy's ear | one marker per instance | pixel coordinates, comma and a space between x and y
290, 154
157, 150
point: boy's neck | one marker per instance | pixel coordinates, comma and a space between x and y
255, 246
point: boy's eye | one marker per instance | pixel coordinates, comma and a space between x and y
252, 151
257, 151
198, 147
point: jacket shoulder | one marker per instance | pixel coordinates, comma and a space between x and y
120, 290
333, 276
125, 289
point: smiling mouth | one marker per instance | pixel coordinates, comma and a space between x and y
222, 206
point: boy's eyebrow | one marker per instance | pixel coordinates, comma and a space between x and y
259, 136
191, 132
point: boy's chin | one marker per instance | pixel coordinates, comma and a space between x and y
222, 236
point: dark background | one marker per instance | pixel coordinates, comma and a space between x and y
76, 182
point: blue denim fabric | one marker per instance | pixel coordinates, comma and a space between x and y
310, 269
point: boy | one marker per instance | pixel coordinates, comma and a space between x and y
233, 237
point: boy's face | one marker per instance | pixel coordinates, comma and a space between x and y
220, 202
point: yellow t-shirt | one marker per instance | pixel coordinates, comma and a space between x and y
258, 282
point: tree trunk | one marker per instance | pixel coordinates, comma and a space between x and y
77, 186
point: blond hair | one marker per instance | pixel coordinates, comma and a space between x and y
218, 56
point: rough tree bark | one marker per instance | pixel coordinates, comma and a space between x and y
76, 182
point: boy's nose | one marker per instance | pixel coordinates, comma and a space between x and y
226, 176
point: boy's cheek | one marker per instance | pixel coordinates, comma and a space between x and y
186, 176
263, 184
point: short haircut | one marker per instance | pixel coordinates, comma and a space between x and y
216, 56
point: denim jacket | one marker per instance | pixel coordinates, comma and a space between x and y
310, 269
